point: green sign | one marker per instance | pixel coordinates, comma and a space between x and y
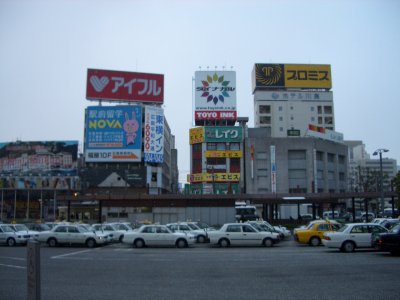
223, 134
293, 132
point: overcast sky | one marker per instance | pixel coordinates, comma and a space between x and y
47, 46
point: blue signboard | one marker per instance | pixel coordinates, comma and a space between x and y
113, 134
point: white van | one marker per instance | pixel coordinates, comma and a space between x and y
328, 214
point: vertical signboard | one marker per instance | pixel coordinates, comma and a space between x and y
273, 169
153, 135
315, 171
113, 134
215, 95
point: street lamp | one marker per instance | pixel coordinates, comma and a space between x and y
380, 151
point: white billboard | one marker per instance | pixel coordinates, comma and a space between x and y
153, 134
293, 96
215, 91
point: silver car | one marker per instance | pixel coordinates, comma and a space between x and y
9, 237
71, 234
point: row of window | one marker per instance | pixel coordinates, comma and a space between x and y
326, 109
216, 146
321, 120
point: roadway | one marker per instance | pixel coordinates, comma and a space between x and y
285, 271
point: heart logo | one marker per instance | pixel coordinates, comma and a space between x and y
99, 83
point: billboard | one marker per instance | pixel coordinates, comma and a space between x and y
272, 76
214, 177
153, 134
124, 86
113, 134
113, 177
39, 165
215, 95
223, 134
325, 134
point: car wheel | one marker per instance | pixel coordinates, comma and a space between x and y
52, 242
11, 242
90, 243
139, 243
121, 238
268, 242
224, 243
201, 239
181, 243
315, 241
348, 247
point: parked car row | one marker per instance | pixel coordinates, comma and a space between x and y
349, 237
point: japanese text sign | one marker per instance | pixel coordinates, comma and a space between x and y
113, 133
124, 86
153, 134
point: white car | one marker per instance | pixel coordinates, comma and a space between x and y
71, 234
188, 227
10, 237
22, 229
352, 236
110, 229
107, 237
242, 234
157, 235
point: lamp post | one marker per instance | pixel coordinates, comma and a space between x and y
380, 151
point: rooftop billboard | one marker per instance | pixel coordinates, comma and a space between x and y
124, 86
286, 76
113, 134
215, 95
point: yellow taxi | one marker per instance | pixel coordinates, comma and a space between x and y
314, 232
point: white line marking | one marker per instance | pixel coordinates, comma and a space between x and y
14, 258
12, 266
69, 254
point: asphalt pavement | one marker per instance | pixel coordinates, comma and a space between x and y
285, 271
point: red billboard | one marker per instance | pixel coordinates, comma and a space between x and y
124, 86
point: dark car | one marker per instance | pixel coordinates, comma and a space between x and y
390, 242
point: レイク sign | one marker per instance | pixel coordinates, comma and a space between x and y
124, 86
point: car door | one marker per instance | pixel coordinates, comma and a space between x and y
61, 234
250, 236
75, 236
165, 237
234, 233
361, 236
149, 235
2, 236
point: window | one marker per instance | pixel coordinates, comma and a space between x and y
360, 229
247, 229
280, 108
319, 109
265, 109
221, 146
61, 229
312, 108
323, 227
211, 146
196, 147
280, 118
233, 228
328, 120
331, 157
265, 120
73, 229
328, 109
234, 146
319, 120
235, 165
312, 119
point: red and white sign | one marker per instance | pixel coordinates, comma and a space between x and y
215, 115
124, 86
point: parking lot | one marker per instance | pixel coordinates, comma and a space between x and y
285, 271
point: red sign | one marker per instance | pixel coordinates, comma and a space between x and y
124, 86
215, 115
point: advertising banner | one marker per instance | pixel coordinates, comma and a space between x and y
273, 169
223, 134
201, 115
153, 134
39, 165
224, 153
124, 86
325, 134
196, 135
291, 76
215, 91
214, 177
113, 134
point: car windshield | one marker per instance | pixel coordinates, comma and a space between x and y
342, 229
193, 226
395, 229
7, 228
21, 227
